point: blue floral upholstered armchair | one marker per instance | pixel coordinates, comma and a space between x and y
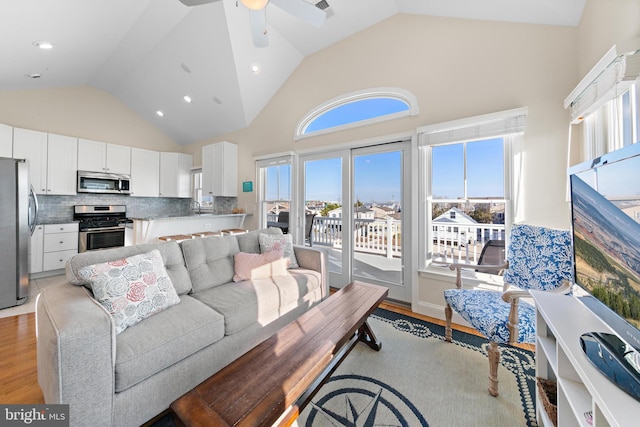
537, 258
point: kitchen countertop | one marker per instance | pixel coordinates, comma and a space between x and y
204, 215
52, 221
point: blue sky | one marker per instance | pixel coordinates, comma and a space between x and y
356, 111
377, 178
485, 170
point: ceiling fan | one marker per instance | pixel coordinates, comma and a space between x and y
258, 18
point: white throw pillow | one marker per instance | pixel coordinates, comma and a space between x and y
131, 289
279, 242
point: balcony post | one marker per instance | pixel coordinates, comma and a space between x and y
389, 239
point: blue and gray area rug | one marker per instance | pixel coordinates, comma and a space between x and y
419, 379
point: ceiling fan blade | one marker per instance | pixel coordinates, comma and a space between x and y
196, 2
258, 22
302, 10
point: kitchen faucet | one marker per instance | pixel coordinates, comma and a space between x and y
195, 204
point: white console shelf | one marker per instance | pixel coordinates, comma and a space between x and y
561, 320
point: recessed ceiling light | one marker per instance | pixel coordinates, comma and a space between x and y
255, 68
33, 75
187, 99
42, 44
160, 113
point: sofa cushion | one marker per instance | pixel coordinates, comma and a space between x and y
171, 256
260, 300
284, 243
249, 242
131, 289
298, 284
164, 339
248, 266
237, 302
209, 260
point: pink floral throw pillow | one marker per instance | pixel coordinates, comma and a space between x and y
131, 289
279, 242
250, 266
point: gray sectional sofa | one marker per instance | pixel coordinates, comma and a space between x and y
126, 379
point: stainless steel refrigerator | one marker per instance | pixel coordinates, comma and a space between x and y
18, 216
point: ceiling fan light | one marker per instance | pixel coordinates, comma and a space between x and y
255, 4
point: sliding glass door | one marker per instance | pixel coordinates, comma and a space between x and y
325, 181
380, 200
356, 208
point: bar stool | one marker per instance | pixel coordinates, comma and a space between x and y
233, 231
176, 237
206, 234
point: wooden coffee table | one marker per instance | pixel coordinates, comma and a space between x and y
275, 380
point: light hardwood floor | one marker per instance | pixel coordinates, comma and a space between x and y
18, 367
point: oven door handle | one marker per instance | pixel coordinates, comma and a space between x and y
102, 230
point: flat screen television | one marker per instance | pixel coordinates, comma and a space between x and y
605, 205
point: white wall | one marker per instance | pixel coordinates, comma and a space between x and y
83, 112
603, 24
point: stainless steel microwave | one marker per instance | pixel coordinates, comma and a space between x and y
98, 182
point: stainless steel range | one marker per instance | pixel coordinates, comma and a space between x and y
100, 226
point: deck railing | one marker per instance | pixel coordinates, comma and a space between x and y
463, 243
380, 236
451, 242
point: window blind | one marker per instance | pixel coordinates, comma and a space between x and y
501, 123
610, 77
274, 161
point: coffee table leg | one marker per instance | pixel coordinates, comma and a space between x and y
366, 335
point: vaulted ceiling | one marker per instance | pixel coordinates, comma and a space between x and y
151, 53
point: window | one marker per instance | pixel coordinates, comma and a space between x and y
357, 109
275, 188
626, 118
466, 171
606, 104
202, 203
467, 182
612, 126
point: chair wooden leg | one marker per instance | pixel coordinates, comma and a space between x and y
494, 361
448, 313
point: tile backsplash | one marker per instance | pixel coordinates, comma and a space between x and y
59, 209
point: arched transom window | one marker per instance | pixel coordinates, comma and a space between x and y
357, 109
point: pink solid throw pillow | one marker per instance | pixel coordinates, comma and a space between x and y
250, 266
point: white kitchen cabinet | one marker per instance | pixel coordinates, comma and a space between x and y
96, 156
220, 169
62, 164
60, 243
36, 249
175, 174
32, 145
145, 173
52, 160
6, 141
